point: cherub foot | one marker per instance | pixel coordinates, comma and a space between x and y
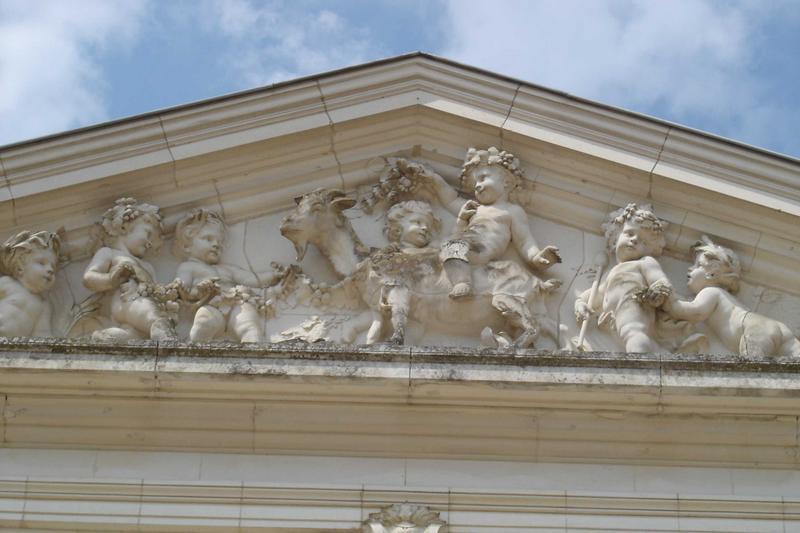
527, 339
397, 339
460, 290
694, 344
163, 330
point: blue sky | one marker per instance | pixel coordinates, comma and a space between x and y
727, 67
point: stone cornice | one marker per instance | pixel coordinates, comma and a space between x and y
309, 103
415, 402
113, 505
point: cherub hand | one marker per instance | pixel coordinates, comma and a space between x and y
207, 287
468, 211
418, 170
547, 257
180, 287
122, 273
550, 285
582, 311
658, 293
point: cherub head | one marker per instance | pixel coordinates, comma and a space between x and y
714, 266
200, 235
633, 232
490, 174
32, 258
132, 225
411, 223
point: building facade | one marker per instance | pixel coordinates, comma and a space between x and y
408, 296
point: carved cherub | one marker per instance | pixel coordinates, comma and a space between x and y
714, 279
636, 285
226, 295
410, 226
138, 304
29, 262
487, 225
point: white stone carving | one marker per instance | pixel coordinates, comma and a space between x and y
28, 262
634, 288
140, 307
486, 226
315, 329
714, 279
227, 298
406, 281
405, 518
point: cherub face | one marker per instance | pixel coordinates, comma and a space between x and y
700, 275
37, 270
490, 184
632, 243
139, 236
206, 245
416, 230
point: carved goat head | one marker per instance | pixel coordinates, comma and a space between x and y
317, 213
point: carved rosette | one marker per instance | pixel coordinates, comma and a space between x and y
405, 518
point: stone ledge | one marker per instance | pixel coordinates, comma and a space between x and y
39, 348
386, 401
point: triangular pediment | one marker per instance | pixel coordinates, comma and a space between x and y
248, 155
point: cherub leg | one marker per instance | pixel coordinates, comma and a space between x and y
116, 334
635, 326
208, 324
375, 330
146, 316
791, 347
762, 337
247, 323
399, 300
352, 329
459, 273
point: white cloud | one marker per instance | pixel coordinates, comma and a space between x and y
277, 41
691, 61
50, 79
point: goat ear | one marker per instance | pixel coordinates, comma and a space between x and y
298, 199
343, 202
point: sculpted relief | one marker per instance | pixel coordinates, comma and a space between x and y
409, 260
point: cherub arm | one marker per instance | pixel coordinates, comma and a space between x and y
99, 275
446, 194
526, 244
191, 287
658, 286
699, 309
584, 308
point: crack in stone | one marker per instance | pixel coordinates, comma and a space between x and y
568, 289
10, 192
3, 417
171, 155
658, 159
219, 199
333, 134
508, 114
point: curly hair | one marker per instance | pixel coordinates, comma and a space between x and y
116, 219
476, 158
722, 264
190, 225
394, 228
17, 248
641, 216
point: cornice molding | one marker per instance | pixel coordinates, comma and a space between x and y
191, 507
412, 80
320, 399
